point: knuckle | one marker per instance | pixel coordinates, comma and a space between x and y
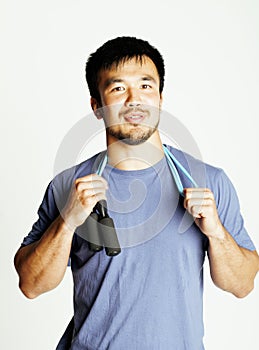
86, 192
87, 201
78, 186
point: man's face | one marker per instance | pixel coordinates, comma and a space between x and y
130, 101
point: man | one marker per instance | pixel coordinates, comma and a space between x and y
150, 295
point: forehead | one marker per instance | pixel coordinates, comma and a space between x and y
132, 68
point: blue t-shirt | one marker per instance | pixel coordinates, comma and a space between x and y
149, 297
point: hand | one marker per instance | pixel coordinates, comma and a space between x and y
200, 203
85, 193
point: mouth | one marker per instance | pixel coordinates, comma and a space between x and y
134, 118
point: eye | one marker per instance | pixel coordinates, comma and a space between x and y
117, 88
146, 86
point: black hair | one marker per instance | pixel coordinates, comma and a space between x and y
119, 50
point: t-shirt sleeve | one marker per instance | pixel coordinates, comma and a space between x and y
47, 213
229, 210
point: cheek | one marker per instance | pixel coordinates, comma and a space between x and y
153, 99
111, 114
111, 100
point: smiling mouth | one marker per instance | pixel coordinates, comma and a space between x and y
134, 118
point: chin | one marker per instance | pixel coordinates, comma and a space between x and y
133, 137
133, 142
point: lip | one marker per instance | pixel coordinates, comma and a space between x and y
134, 118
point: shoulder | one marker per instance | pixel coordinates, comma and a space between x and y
79, 170
61, 183
206, 175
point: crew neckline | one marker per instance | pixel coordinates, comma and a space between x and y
156, 167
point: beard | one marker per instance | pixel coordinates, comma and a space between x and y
132, 134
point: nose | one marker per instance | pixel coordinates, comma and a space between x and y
133, 98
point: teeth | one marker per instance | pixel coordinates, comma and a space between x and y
135, 117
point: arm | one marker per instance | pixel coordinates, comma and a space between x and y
41, 265
232, 267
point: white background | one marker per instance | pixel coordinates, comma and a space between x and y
211, 51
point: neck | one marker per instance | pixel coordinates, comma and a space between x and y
137, 157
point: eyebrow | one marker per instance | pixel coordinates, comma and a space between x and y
149, 78
111, 81
119, 80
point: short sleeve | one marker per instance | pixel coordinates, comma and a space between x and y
47, 213
229, 210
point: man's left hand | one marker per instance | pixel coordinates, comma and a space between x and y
200, 203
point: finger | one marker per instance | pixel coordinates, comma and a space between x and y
199, 212
198, 202
89, 192
91, 200
91, 178
198, 193
191, 190
90, 181
91, 186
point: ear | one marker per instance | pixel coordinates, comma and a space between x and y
161, 100
96, 108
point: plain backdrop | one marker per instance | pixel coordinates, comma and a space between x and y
211, 51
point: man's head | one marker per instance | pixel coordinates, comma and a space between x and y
126, 78
117, 51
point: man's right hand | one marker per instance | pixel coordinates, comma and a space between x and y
85, 193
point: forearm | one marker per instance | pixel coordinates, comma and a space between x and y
232, 268
42, 265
